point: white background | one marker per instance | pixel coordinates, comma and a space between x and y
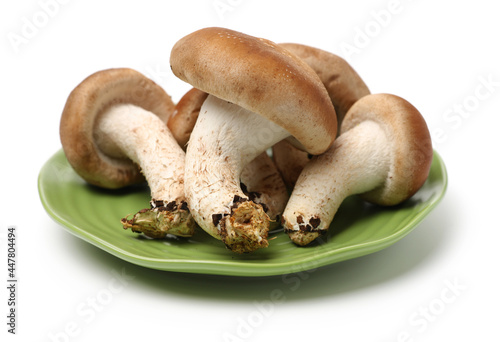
439, 283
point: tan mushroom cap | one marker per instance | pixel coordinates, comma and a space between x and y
92, 97
186, 112
342, 82
410, 141
344, 86
262, 77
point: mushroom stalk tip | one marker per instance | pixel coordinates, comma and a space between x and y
304, 238
161, 219
246, 228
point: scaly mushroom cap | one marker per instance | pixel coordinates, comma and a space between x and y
342, 82
262, 77
410, 144
87, 101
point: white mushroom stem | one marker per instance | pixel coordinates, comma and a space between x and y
126, 131
358, 161
263, 184
225, 139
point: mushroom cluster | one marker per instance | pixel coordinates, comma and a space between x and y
207, 158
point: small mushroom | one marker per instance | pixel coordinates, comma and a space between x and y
260, 93
384, 153
344, 86
114, 134
260, 179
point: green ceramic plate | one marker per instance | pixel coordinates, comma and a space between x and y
94, 215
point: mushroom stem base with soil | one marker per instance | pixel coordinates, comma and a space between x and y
126, 131
358, 161
225, 139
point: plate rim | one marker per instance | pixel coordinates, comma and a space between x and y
232, 267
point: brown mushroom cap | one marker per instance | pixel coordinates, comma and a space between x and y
87, 101
344, 86
186, 112
262, 77
410, 141
290, 161
342, 82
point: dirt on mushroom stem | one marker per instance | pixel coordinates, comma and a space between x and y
246, 228
161, 219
